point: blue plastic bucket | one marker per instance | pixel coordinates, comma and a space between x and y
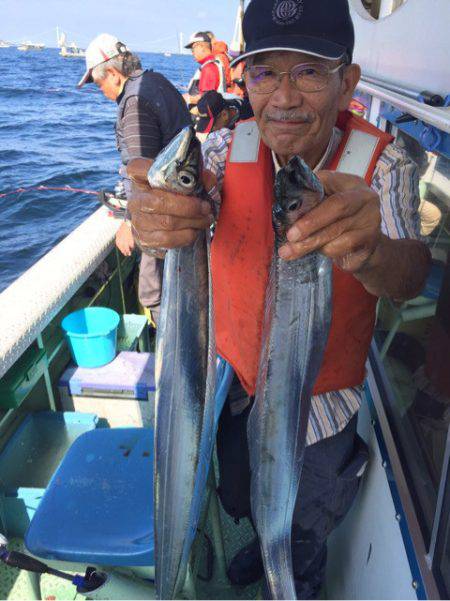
92, 335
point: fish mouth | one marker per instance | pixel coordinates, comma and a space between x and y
187, 161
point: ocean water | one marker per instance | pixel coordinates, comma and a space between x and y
53, 134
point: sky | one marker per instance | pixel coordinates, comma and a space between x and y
144, 25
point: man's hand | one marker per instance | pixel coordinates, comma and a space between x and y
124, 239
162, 219
345, 226
191, 100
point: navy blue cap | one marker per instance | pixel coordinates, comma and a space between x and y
322, 28
210, 105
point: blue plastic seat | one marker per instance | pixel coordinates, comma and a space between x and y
98, 507
434, 281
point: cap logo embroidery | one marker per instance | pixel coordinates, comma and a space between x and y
286, 12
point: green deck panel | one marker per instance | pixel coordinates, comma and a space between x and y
56, 589
235, 537
17, 584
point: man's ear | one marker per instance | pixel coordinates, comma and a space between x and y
114, 73
350, 79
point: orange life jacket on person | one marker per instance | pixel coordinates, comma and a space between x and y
242, 251
220, 51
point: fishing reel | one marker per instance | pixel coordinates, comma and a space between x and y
113, 202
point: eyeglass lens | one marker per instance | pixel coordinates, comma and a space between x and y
307, 78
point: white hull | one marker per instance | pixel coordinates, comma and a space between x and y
407, 47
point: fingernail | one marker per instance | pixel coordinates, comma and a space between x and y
285, 252
205, 208
293, 235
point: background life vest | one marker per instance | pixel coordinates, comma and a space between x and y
220, 51
194, 84
242, 251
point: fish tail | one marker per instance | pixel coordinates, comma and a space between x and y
277, 558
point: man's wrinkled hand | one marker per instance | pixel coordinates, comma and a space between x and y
124, 239
345, 227
162, 219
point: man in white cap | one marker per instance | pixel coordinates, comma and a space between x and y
300, 79
150, 113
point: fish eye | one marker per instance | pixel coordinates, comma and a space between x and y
186, 179
293, 206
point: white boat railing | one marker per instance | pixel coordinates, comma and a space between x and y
29, 304
439, 117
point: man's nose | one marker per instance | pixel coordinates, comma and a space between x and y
287, 95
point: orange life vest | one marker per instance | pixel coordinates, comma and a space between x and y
242, 250
220, 51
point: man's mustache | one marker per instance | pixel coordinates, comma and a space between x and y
289, 116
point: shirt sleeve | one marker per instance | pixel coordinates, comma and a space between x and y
214, 153
396, 180
209, 78
141, 129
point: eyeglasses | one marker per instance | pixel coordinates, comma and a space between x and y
314, 77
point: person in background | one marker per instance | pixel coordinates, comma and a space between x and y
150, 112
215, 113
237, 80
220, 51
210, 75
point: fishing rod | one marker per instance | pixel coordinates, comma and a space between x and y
52, 188
94, 584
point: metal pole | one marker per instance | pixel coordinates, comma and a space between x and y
438, 117
391, 86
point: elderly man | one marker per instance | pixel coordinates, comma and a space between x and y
300, 80
150, 113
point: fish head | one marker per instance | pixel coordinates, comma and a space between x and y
297, 191
178, 166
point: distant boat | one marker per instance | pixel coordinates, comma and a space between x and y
68, 50
167, 54
72, 51
30, 46
4, 44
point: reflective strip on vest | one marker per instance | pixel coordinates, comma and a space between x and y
246, 149
193, 87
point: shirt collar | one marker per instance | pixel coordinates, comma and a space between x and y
134, 75
210, 57
336, 137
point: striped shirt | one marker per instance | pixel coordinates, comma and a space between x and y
141, 129
396, 181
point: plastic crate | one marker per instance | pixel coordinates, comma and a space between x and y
122, 392
30, 458
133, 333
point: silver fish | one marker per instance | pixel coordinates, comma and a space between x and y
185, 377
295, 331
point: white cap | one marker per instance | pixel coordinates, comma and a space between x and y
104, 47
198, 36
